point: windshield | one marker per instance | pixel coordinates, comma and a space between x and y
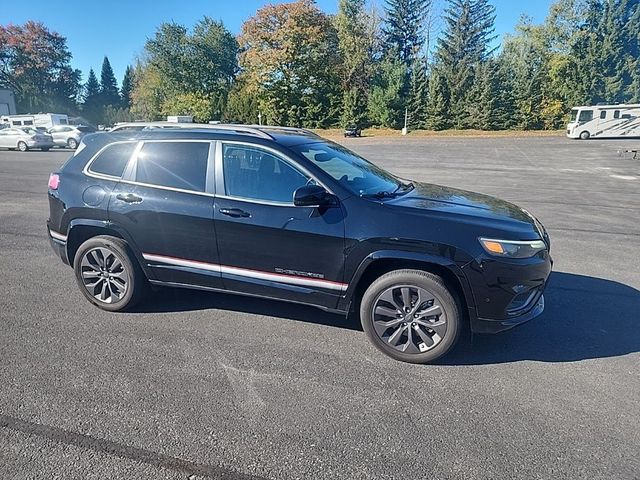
358, 175
574, 115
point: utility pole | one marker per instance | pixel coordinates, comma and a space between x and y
259, 118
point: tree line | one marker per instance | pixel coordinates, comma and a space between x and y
292, 64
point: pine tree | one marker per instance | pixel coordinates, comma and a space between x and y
465, 43
92, 107
108, 84
404, 28
438, 117
418, 95
386, 100
127, 87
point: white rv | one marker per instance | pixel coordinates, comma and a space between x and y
604, 121
43, 120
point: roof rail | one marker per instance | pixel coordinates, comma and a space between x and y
249, 130
285, 129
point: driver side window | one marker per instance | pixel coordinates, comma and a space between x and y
256, 174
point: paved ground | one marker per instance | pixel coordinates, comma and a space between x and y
207, 385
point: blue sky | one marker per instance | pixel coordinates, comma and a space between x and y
119, 28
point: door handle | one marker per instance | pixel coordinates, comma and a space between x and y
129, 197
234, 212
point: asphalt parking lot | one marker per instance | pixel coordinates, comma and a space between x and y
199, 385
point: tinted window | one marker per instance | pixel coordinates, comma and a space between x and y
259, 175
603, 114
616, 114
113, 159
174, 164
352, 171
586, 115
85, 129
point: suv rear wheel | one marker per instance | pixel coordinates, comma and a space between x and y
411, 316
107, 273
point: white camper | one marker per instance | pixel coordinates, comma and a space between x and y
604, 121
43, 120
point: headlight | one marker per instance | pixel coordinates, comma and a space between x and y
512, 248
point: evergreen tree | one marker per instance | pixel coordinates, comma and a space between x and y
465, 43
108, 84
404, 28
418, 95
355, 45
127, 87
386, 101
92, 106
438, 117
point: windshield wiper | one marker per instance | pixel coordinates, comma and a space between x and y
386, 194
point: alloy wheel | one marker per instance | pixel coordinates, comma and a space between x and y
409, 319
104, 275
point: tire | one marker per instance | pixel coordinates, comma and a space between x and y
585, 135
408, 341
46, 149
117, 287
22, 146
72, 143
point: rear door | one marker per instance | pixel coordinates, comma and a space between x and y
165, 202
267, 245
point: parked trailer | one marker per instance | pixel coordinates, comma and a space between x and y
36, 120
604, 121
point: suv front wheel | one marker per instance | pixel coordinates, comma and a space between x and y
411, 316
107, 274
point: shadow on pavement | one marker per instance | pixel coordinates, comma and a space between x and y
585, 317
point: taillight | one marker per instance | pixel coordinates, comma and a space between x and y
54, 181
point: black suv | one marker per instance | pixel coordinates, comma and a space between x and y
285, 214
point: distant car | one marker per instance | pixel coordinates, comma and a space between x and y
25, 138
69, 135
352, 131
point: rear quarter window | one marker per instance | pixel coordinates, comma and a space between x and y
112, 160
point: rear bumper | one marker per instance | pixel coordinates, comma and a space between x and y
58, 242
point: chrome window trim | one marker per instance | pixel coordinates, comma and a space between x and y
87, 168
220, 186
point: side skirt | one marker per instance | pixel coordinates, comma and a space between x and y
244, 294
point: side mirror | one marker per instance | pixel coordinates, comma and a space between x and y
313, 196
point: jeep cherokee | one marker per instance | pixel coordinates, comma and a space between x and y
282, 213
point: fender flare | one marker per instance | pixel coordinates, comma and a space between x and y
107, 226
443, 262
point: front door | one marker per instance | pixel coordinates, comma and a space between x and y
267, 245
165, 202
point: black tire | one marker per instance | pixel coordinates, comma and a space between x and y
116, 298
46, 149
22, 146
585, 135
72, 143
428, 283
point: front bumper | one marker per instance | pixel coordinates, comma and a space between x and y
507, 293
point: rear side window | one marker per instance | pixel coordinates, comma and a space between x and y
174, 164
113, 159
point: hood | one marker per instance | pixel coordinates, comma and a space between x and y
473, 206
